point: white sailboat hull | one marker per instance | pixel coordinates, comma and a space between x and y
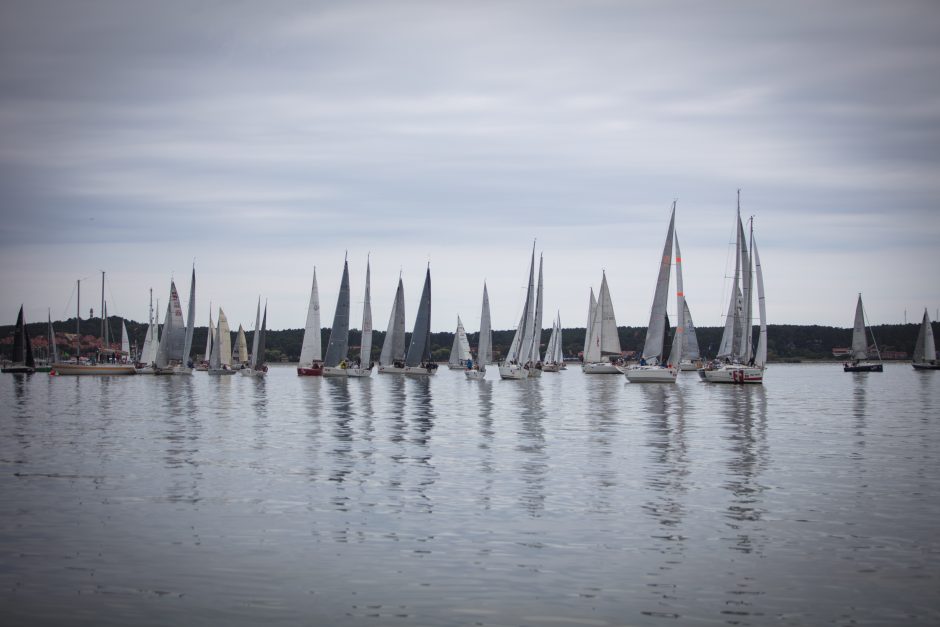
217, 372
425, 371
475, 375
555, 367
535, 373
391, 370
603, 367
513, 371
356, 373
93, 369
733, 373
251, 372
690, 366
651, 374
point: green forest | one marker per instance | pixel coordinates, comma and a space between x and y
785, 342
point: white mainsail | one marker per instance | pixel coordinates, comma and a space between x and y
535, 350
859, 341
656, 331
210, 333
311, 349
678, 341
485, 344
253, 359
190, 321
125, 340
604, 338
393, 348
925, 350
215, 353
521, 346
365, 349
690, 349
240, 352
460, 350
225, 340
174, 332
760, 354
592, 303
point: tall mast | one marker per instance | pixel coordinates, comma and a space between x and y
78, 319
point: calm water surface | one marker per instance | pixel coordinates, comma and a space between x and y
573, 499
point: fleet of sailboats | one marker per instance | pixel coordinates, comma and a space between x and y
739, 359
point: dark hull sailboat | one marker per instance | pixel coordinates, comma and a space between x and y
23, 362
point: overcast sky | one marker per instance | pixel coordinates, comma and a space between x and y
263, 139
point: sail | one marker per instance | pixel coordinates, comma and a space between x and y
656, 331
604, 326
460, 350
393, 348
760, 354
520, 349
339, 333
225, 337
262, 344
125, 340
174, 331
550, 347
53, 350
256, 338
535, 355
558, 354
311, 350
420, 348
190, 321
589, 355
365, 349
678, 342
690, 349
215, 360
747, 326
925, 350
725, 349
485, 345
210, 333
859, 342
19, 339
240, 352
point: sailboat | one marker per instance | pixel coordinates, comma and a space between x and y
210, 333
691, 355
655, 367
256, 364
220, 353
240, 351
418, 360
363, 367
107, 361
23, 361
925, 350
602, 353
738, 361
517, 363
311, 354
334, 365
460, 351
173, 354
554, 359
52, 353
392, 357
477, 371
860, 360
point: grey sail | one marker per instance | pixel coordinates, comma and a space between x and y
54, 352
485, 345
215, 360
747, 280
535, 355
588, 339
690, 349
925, 350
338, 345
259, 360
393, 348
419, 350
760, 354
678, 343
656, 331
365, 346
190, 320
521, 346
859, 341
255, 340
174, 332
